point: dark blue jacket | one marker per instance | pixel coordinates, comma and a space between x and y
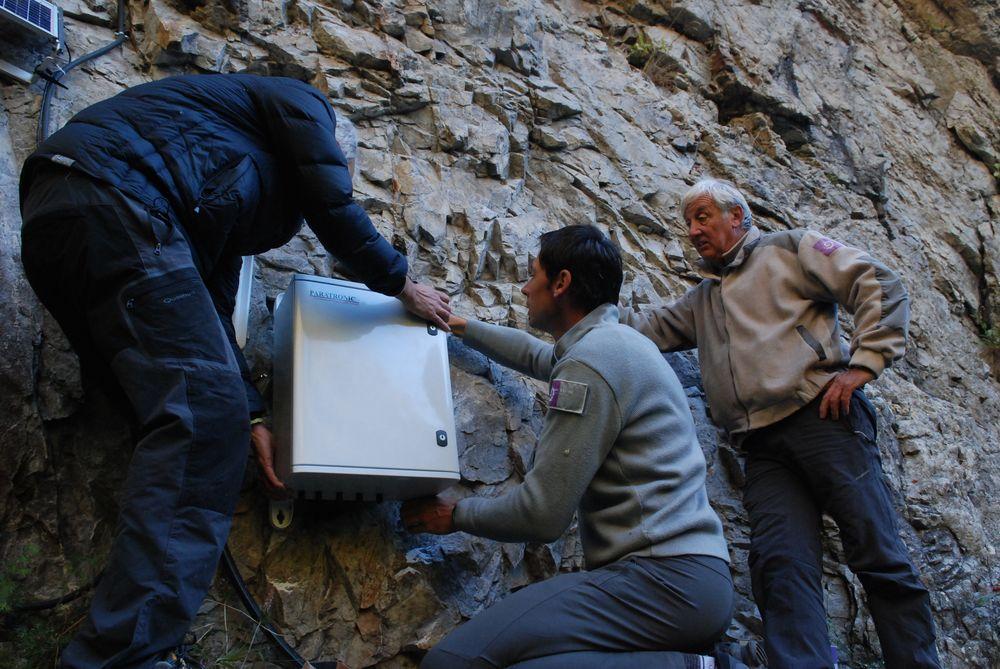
237, 161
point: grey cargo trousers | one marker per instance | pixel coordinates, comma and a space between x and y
636, 612
797, 469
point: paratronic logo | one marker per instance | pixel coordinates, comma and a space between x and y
333, 297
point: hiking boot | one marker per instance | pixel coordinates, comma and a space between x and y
178, 659
749, 653
726, 661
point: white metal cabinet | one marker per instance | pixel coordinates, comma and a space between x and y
362, 395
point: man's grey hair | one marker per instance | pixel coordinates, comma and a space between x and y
723, 193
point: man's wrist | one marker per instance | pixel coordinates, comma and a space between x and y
868, 360
402, 291
865, 370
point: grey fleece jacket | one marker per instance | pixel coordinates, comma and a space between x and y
765, 323
618, 446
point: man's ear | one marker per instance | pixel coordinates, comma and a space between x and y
561, 283
737, 214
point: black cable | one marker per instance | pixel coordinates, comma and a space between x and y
40, 135
233, 572
43, 115
55, 601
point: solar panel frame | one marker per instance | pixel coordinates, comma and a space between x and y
36, 15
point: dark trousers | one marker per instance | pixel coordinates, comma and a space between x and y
797, 469
123, 286
637, 612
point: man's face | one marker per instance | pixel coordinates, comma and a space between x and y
711, 230
541, 301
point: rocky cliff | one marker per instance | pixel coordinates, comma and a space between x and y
481, 125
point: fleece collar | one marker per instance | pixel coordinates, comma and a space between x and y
733, 258
602, 315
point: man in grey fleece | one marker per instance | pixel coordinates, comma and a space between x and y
782, 381
619, 449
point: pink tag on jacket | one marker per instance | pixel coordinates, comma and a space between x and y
827, 246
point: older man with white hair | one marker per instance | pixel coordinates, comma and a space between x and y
781, 379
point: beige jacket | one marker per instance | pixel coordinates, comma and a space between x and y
765, 323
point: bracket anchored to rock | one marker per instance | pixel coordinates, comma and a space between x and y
282, 511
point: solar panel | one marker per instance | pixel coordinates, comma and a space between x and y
37, 15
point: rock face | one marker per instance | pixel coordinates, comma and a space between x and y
481, 125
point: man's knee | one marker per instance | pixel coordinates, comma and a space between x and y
872, 545
894, 575
785, 579
778, 549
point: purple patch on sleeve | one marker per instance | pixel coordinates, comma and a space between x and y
554, 393
827, 246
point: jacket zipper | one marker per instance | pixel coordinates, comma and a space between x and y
729, 354
157, 212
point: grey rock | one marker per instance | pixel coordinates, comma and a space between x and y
170, 39
548, 138
688, 18
637, 214
358, 47
418, 41
553, 103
